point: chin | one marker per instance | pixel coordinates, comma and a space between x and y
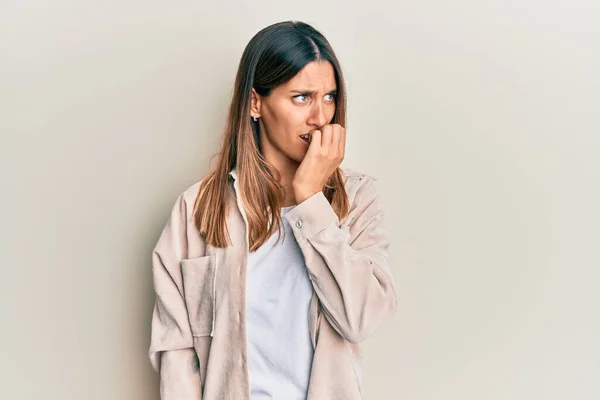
297, 157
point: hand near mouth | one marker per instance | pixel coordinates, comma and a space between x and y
325, 153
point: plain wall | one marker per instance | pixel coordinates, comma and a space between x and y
480, 120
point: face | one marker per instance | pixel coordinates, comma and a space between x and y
305, 103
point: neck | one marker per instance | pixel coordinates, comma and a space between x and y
286, 168
286, 179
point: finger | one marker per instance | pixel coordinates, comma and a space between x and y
315, 140
342, 143
335, 139
327, 136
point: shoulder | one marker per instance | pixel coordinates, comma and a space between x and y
360, 186
188, 195
353, 175
185, 201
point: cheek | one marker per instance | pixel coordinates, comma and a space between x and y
282, 114
284, 123
295, 118
330, 113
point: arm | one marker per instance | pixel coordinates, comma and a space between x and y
348, 268
171, 348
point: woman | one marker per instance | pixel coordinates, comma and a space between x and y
242, 313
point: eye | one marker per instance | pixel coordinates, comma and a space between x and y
302, 98
332, 96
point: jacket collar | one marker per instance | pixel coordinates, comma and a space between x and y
233, 173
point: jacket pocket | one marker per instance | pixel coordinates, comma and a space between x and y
199, 286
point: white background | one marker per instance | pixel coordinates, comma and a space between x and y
479, 118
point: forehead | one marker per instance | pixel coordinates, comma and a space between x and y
316, 75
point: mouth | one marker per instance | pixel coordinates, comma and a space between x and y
305, 137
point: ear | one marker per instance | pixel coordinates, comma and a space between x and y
255, 104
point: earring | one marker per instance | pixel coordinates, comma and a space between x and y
254, 119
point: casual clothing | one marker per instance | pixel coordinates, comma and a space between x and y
199, 325
278, 297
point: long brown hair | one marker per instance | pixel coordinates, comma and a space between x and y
271, 58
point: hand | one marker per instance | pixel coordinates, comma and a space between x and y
325, 153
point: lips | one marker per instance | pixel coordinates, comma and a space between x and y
305, 137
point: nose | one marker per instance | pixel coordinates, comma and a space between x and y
317, 115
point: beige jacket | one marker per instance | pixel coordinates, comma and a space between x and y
198, 342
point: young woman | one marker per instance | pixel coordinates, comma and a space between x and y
274, 267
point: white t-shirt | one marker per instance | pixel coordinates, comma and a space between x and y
278, 296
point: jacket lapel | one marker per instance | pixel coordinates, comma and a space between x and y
314, 312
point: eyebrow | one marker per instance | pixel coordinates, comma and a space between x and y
311, 92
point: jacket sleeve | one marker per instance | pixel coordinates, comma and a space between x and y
348, 266
171, 346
